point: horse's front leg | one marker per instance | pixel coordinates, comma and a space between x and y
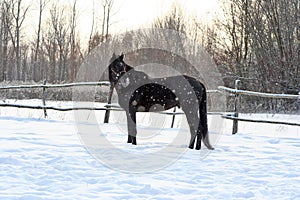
131, 124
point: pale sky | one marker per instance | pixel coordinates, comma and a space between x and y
134, 13
131, 14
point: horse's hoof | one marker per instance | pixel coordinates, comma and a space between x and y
134, 141
198, 148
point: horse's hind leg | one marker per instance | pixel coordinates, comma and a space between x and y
194, 135
131, 123
193, 124
202, 128
192, 141
199, 137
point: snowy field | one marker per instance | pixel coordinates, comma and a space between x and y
46, 159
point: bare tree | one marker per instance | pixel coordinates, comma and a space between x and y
107, 6
90, 47
257, 45
36, 65
109, 10
60, 28
104, 6
18, 16
4, 39
174, 21
96, 36
75, 54
49, 48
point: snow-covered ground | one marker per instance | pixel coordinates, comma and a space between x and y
47, 159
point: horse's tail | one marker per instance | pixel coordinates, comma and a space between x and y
203, 118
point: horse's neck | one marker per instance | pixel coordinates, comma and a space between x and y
135, 78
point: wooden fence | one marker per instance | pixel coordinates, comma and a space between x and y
44, 88
237, 93
108, 107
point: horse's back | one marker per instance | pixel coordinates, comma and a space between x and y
185, 83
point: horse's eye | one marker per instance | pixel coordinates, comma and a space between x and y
120, 65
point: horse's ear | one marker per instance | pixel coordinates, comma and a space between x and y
121, 57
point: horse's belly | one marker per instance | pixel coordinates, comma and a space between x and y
146, 106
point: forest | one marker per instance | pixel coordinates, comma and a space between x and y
255, 41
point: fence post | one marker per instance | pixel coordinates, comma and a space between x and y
299, 103
107, 113
173, 117
236, 107
44, 99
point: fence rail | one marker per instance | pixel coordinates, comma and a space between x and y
258, 94
101, 83
237, 92
56, 108
109, 107
228, 116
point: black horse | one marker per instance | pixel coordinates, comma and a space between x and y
137, 92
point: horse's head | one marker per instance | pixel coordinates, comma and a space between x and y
117, 68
